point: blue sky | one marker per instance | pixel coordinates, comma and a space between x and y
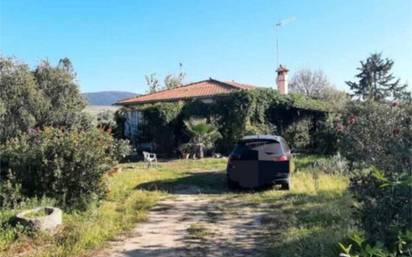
113, 44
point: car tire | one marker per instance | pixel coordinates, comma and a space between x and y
285, 185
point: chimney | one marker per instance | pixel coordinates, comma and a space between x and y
282, 80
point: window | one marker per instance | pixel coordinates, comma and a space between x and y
249, 150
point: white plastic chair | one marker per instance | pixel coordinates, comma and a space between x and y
150, 159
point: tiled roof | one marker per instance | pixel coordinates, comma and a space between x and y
201, 89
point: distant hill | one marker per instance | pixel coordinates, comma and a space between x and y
106, 97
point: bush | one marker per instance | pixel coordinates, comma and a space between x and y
336, 165
120, 149
324, 139
106, 120
10, 192
158, 125
376, 139
67, 166
359, 247
298, 134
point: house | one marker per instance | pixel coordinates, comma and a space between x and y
205, 90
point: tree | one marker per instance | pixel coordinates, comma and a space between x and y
152, 82
376, 82
337, 98
203, 135
47, 96
22, 102
174, 81
64, 104
310, 83
170, 81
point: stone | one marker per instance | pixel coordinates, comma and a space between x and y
48, 222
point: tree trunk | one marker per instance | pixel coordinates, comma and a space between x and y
201, 153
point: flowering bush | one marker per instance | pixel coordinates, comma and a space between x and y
65, 165
376, 138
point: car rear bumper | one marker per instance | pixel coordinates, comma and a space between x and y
250, 174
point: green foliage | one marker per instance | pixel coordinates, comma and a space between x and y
335, 165
376, 82
258, 111
324, 137
62, 96
202, 135
376, 139
10, 192
377, 134
298, 134
170, 81
120, 149
106, 120
360, 248
47, 96
152, 82
119, 118
22, 102
65, 165
158, 126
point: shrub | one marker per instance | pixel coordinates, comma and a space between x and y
335, 165
202, 135
105, 120
298, 134
158, 125
324, 138
120, 149
10, 192
65, 165
376, 139
359, 247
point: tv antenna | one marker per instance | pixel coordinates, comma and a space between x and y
278, 25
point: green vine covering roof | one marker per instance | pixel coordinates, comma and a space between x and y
302, 102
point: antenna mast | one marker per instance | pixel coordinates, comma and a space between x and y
281, 23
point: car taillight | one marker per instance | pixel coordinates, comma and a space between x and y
282, 158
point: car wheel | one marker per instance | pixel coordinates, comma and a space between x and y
285, 185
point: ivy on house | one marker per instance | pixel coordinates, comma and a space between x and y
257, 111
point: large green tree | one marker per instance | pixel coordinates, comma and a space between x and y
22, 102
47, 96
375, 80
64, 104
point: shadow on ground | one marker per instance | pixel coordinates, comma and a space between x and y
196, 182
206, 182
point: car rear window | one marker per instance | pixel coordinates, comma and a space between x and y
286, 147
249, 150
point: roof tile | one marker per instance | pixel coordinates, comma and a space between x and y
199, 89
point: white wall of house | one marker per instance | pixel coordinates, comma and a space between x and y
133, 119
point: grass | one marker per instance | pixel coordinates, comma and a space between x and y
198, 231
308, 220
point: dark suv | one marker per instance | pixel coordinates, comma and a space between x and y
258, 161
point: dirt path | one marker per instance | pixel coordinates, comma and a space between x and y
195, 225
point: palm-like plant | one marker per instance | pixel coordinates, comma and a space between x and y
203, 135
